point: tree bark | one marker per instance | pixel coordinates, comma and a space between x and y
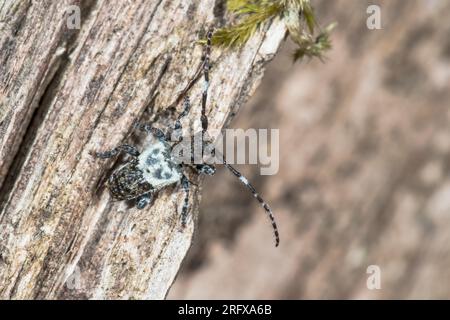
65, 93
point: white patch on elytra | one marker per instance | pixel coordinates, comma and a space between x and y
158, 170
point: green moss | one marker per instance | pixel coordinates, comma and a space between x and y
314, 47
254, 16
298, 16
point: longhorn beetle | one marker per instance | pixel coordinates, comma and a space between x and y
155, 168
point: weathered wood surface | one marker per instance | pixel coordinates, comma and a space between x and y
65, 93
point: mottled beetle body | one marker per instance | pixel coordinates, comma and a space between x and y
127, 182
155, 168
158, 166
145, 173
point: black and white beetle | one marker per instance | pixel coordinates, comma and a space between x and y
155, 167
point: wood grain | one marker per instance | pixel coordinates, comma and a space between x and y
66, 93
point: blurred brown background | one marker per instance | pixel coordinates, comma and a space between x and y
364, 169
